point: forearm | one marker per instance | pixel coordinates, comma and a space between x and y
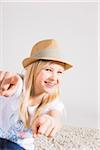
54, 113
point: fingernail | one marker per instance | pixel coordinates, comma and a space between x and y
34, 135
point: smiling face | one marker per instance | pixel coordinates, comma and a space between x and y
48, 78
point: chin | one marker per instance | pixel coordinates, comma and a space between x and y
49, 90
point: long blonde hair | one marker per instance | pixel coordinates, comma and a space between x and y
29, 78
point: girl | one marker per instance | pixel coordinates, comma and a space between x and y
37, 110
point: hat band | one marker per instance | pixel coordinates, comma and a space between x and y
48, 53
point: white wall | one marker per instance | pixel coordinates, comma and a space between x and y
75, 26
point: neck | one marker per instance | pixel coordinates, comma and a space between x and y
36, 99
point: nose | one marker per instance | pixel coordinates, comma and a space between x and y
54, 77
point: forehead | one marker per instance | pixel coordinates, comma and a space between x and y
58, 65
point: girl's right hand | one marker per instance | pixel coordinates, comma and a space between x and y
46, 125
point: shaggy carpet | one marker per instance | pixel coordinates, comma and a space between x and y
70, 138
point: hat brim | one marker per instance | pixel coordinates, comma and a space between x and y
30, 60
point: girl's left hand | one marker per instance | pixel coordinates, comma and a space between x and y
45, 124
9, 82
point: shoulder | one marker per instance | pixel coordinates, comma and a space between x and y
55, 105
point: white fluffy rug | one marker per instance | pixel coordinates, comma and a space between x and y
70, 138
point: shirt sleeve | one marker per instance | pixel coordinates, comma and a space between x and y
13, 100
55, 105
8, 108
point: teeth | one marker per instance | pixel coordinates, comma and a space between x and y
50, 84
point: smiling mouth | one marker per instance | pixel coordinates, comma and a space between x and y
49, 84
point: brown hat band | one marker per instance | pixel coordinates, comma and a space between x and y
54, 53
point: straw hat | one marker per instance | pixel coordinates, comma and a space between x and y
46, 50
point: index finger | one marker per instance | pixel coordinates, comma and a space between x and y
2, 75
37, 123
9, 83
9, 91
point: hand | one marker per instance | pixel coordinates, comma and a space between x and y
8, 83
46, 125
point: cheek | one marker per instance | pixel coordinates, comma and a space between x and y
40, 78
43, 76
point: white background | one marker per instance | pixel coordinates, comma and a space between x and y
75, 26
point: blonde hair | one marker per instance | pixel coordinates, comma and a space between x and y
30, 76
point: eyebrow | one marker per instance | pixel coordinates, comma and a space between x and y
61, 69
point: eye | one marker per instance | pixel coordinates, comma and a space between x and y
47, 69
60, 72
